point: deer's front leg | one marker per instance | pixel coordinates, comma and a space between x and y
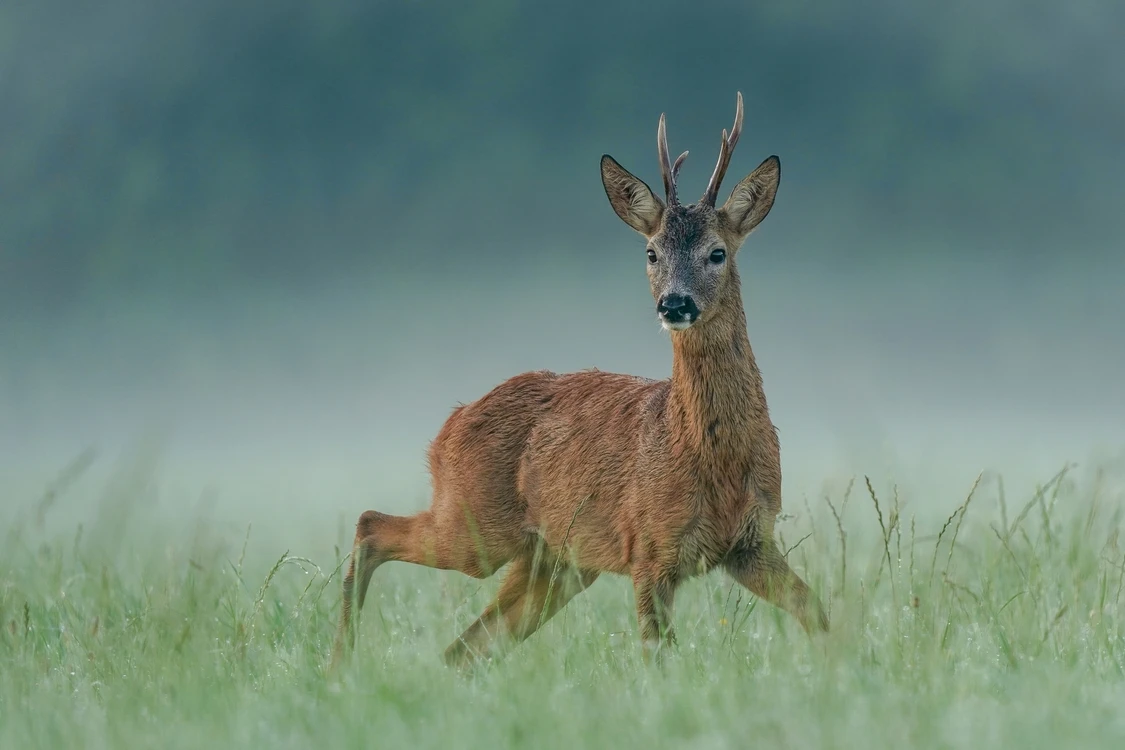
767, 574
654, 594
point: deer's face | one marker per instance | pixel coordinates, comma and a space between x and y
691, 248
688, 265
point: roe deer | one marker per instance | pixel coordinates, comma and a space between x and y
595, 472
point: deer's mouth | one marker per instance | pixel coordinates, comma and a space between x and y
677, 324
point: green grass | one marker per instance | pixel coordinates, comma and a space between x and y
1007, 631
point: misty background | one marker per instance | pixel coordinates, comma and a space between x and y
287, 238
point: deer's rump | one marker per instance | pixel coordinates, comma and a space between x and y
578, 473
548, 455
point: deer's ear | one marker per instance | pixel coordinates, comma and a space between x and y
631, 198
752, 198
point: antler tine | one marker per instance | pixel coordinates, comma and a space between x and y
725, 151
676, 166
666, 170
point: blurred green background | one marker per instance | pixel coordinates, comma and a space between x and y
184, 146
289, 229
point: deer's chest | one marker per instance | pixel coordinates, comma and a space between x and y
722, 515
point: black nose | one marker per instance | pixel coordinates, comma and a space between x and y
677, 308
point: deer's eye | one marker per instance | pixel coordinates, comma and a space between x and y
651, 255
718, 255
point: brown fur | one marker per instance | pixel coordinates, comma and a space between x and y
594, 472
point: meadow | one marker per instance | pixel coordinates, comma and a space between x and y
997, 622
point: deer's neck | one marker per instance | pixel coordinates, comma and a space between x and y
717, 405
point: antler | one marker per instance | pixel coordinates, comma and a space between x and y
725, 152
668, 170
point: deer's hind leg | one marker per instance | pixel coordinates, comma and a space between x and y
533, 591
445, 540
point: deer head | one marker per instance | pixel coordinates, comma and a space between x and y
691, 248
